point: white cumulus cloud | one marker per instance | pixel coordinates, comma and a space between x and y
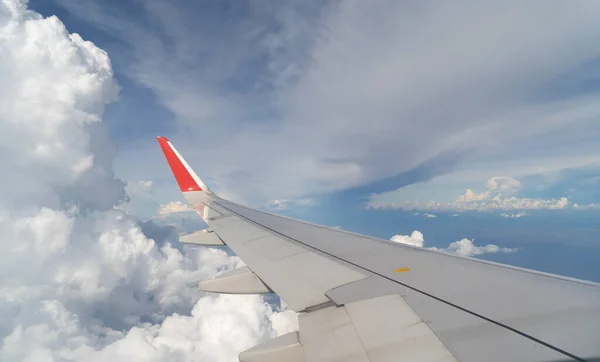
503, 184
464, 247
79, 279
472, 196
415, 239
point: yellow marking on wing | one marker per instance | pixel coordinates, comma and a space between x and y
402, 270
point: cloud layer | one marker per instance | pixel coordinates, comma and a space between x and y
496, 197
310, 97
464, 247
79, 279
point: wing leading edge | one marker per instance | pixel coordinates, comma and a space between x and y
354, 307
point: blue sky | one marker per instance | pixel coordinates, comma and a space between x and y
373, 111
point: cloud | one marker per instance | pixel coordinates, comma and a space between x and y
140, 201
79, 279
492, 199
280, 204
464, 247
593, 206
138, 187
174, 207
508, 203
495, 186
294, 71
427, 215
471, 196
211, 332
513, 216
503, 184
415, 239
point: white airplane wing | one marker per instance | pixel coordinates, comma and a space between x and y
367, 299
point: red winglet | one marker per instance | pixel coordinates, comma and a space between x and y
182, 175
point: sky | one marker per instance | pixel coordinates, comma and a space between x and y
469, 128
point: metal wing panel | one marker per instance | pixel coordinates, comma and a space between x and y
328, 335
471, 338
467, 336
391, 331
383, 329
299, 275
234, 230
557, 312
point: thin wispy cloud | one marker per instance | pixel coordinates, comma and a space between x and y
327, 98
513, 216
282, 204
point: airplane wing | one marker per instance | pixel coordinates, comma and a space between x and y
365, 299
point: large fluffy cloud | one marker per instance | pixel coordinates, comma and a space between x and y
79, 279
217, 329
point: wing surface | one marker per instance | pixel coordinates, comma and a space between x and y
366, 299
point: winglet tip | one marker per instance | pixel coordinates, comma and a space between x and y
185, 176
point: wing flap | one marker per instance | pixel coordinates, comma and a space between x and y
328, 335
300, 276
389, 328
203, 237
382, 329
283, 348
239, 281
